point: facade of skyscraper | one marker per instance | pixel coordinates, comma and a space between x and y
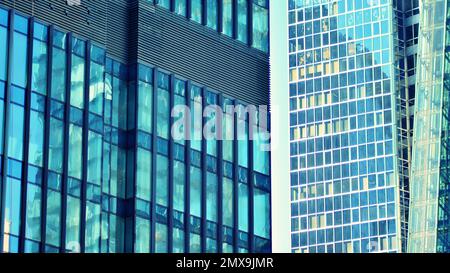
88, 158
351, 102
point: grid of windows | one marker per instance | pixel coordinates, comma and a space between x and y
244, 20
85, 138
342, 117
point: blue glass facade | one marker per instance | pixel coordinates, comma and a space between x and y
89, 164
343, 126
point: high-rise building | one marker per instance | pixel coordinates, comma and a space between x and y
351, 97
88, 158
429, 221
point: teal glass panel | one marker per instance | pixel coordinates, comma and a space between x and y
142, 235
53, 228
36, 148
33, 213
77, 84
39, 67
143, 174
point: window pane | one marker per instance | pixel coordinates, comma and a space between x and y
73, 224
162, 185
178, 240
163, 106
164, 3
243, 207
262, 213
12, 206
145, 107
36, 148
260, 27
196, 118
2, 116
77, 85
59, 74
15, 144
178, 185
96, 88
95, 146
161, 238
212, 13
19, 62
75, 151
196, 10
143, 176
3, 52
211, 197
56, 145
39, 76
53, 229
228, 17
227, 202
33, 219
242, 21
142, 235
195, 191
180, 7
92, 232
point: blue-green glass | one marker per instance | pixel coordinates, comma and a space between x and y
15, 141
36, 146
243, 209
194, 243
196, 118
145, 107
261, 213
19, 61
164, 3
95, 148
161, 237
195, 191
92, 231
212, 18
73, 224
11, 221
58, 91
211, 197
96, 88
242, 33
178, 185
2, 111
3, 52
180, 7
227, 17
53, 228
162, 126
39, 67
75, 151
56, 145
162, 183
196, 10
143, 174
178, 240
33, 213
227, 202
77, 84
260, 27
142, 235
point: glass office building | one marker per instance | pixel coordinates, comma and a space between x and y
351, 88
88, 161
429, 207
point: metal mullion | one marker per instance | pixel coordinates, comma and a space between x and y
234, 20
250, 22
170, 167
26, 136
204, 221
204, 12
65, 177
187, 156
219, 141
251, 226
154, 156
188, 9
46, 139
5, 143
85, 141
235, 182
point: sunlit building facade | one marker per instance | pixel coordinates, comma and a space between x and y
352, 88
88, 161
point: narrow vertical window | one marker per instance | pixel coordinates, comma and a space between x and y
242, 9
227, 17
260, 25
196, 11
212, 8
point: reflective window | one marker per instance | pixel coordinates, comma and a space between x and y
162, 126
164, 3
143, 174
178, 185
261, 25
77, 84
53, 228
36, 148
75, 151
15, 142
56, 145
261, 213
58, 74
92, 231
196, 10
242, 33
142, 244
227, 202
39, 67
19, 61
212, 13
3, 52
73, 224
95, 148
33, 214
211, 196
161, 238
162, 183
145, 106
96, 89
243, 207
180, 7
195, 191
227, 17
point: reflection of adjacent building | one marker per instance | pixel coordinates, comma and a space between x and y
88, 161
351, 128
